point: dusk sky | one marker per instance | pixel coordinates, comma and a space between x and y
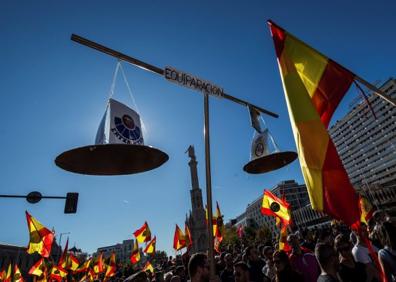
54, 92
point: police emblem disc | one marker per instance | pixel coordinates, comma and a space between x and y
275, 207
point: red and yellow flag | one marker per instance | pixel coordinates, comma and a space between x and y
72, 262
148, 267
314, 85
38, 268
143, 234
57, 273
112, 267
3, 274
40, 237
179, 239
63, 259
8, 274
366, 209
17, 275
150, 248
187, 236
99, 266
85, 266
283, 245
273, 206
135, 256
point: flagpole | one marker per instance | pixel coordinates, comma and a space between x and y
208, 185
376, 90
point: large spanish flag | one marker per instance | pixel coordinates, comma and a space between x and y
150, 248
179, 239
143, 234
40, 237
314, 85
273, 206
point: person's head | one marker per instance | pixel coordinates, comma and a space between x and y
251, 254
386, 234
229, 262
327, 257
140, 276
175, 278
281, 261
292, 240
343, 246
325, 236
380, 216
159, 276
180, 271
198, 267
268, 251
241, 272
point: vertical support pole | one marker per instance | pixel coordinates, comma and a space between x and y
208, 186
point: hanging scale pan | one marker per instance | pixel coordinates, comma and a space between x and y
119, 147
263, 161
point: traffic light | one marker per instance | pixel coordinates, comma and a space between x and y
71, 203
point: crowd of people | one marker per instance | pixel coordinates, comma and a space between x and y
324, 255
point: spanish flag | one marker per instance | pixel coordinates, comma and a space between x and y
3, 274
37, 268
219, 224
17, 275
84, 267
99, 267
283, 245
112, 267
150, 248
273, 206
366, 209
63, 259
143, 234
135, 256
179, 241
8, 274
58, 273
148, 267
40, 237
72, 262
314, 85
187, 236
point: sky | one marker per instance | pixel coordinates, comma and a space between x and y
54, 92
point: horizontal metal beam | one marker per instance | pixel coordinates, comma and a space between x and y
152, 68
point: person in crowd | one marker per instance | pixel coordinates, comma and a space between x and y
373, 235
361, 253
241, 272
175, 278
181, 273
227, 275
387, 255
284, 271
198, 268
349, 269
303, 261
269, 268
328, 262
307, 240
255, 264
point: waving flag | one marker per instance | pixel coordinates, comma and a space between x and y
135, 256
72, 262
112, 267
366, 209
187, 236
179, 241
150, 248
63, 259
98, 267
17, 275
273, 206
7, 275
37, 268
143, 234
85, 266
40, 237
148, 267
314, 85
58, 273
